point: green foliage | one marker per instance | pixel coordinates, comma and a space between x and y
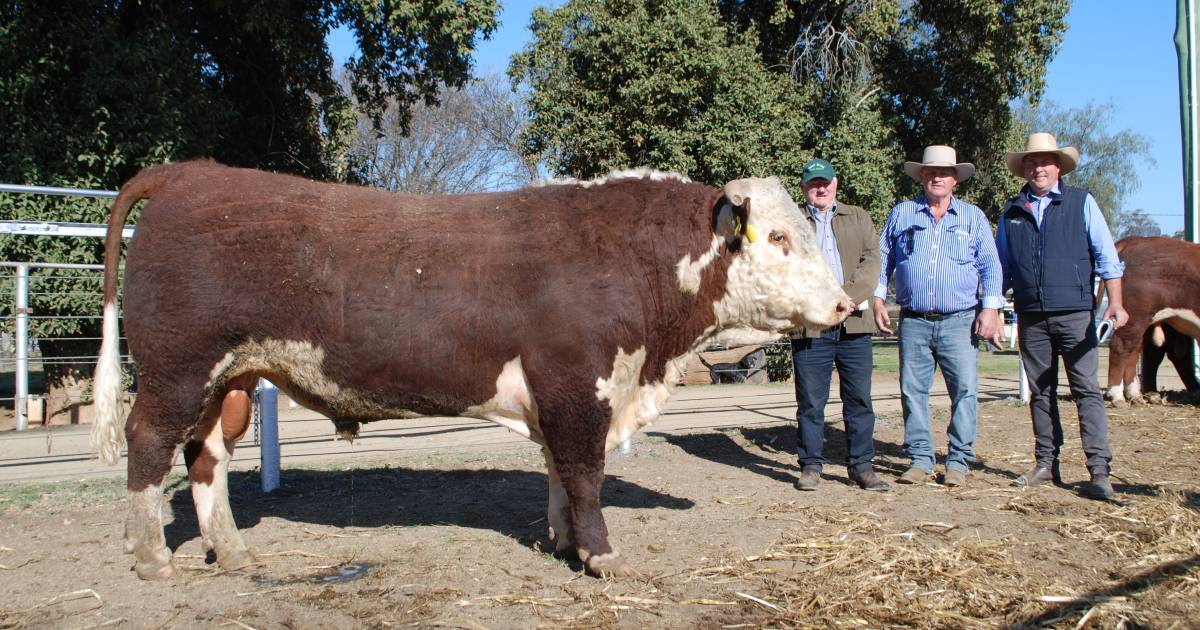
656, 83
855, 139
758, 86
94, 90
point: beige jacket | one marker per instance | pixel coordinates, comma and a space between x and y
858, 247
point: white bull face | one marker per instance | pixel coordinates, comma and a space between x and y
779, 281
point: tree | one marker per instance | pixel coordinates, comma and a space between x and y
943, 71
1136, 223
469, 142
664, 83
1109, 160
93, 90
871, 83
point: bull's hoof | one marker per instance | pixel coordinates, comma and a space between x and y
1153, 398
1137, 401
609, 565
236, 560
1119, 404
563, 544
155, 569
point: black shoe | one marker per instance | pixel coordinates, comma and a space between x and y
867, 480
809, 478
1099, 488
1040, 475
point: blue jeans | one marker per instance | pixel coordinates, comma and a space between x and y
814, 359
947, 344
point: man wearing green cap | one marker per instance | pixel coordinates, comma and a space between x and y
850, 247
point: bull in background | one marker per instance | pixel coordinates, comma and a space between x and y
565, 312
1161, 341
1161, 287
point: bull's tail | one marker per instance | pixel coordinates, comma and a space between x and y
108, 430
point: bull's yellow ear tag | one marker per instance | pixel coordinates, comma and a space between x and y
751, 233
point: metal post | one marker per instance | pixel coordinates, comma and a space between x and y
268, 404
1024, 382
1012, 341
22, 334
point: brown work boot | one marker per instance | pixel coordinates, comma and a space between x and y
867, 480
809, 478
1039, 475
913, 475
954, 478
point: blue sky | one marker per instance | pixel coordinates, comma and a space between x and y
1111, 53
1125, 54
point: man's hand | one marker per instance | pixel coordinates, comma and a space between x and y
882, 320
1115, 310
990, 326
1116, 313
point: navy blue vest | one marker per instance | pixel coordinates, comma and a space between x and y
1049, 269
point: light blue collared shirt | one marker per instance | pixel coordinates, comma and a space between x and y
939, 265
826, 240
1100, 240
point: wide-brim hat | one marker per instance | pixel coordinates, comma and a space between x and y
942, 156
1042, 142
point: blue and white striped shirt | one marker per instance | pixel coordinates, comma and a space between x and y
939, 264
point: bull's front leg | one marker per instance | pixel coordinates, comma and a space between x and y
1123, 353
575, 449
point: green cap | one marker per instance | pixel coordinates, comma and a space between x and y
817, 169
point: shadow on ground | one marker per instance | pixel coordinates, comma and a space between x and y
721, 447
509, 502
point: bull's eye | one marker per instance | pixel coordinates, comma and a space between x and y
780, 239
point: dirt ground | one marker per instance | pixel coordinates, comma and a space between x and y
710, 519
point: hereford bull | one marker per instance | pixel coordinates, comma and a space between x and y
564, 312
1161, 286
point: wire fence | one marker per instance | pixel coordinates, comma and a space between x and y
42, 332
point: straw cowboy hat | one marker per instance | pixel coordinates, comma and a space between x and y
940, 155
1068, 157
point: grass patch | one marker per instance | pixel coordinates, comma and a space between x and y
887, 360
20, 496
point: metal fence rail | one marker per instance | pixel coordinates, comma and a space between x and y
21, 352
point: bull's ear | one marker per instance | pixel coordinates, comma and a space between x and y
731, 221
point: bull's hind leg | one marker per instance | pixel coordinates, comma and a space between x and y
576, 442
208, 456
151, 453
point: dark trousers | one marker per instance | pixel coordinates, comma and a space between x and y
1044, 337
814, 360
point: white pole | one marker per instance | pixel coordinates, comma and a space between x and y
268, 448
22, 339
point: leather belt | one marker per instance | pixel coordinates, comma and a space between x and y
933, 317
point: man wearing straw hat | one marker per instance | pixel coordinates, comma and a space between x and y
941, 249
1052, 241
